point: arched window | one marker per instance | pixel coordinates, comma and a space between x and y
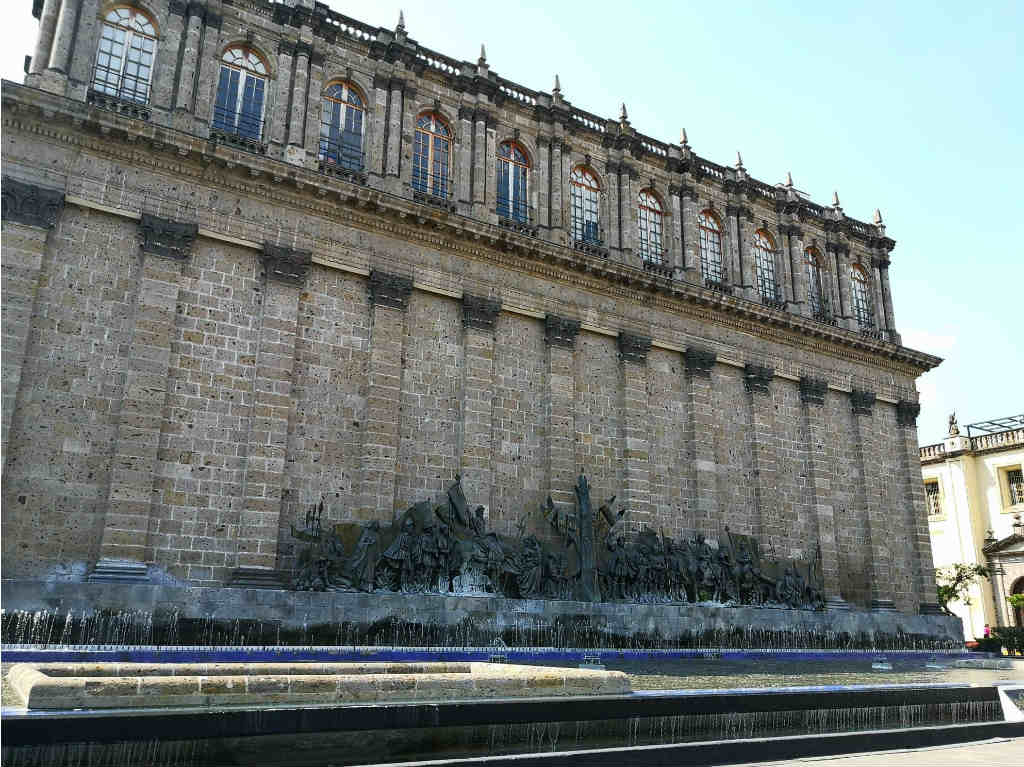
652, 224
711, 268
585, 201
431, 156
124, 60
240, 93
341, 127
512, 171
764, 266
861, 298
815, 286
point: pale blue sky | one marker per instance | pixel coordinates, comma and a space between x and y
911, 107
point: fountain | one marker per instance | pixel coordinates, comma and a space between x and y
434, 635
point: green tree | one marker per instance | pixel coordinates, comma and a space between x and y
953, 582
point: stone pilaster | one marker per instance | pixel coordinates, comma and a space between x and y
821, 463
491, 176
297, 114
745, 246
628, 205
845, 290
209, 71
29, 213
540, 187
286, 271
277, 127
165, 77
784, 265
394, 137
691, 237
560, 335
479, 316
313, 108
558, 180
916, 510
86, 42
866, 440
611, 191
389, 298
64, 37
377, 126
731, 253
463, 150
166, 245
768, 516
636, 490
480, 159
44, 40
886, 289
189, 60
674, 233
700, 433
799, 304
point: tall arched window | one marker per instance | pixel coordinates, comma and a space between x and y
711, 268
652, 224
764, 266
431, 156
512, 171
861, 298
341, 127
815, 286
124, 60
585, 201
240, 93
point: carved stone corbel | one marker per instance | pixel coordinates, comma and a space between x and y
862, 401
699, 360
392, 290
561, 331
812, 390
31, 205
907, 413
166, 238
758, 378
480, 313
633, 348
286, 265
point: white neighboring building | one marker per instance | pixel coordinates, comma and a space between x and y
974, 488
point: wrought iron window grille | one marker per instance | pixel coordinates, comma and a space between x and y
343, 160
433, 189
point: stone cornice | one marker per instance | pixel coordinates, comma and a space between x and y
31, 205
64, 121
166, 238
480, 313
286, 265
633, 348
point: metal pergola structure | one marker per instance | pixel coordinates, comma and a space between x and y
996, 425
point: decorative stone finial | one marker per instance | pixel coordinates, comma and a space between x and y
682, 138
483, 56
401, 22
557, 90
878, 217
835, 199
739, 161
623, 115
789, 179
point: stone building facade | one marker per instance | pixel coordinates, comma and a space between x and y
974, 494
219, 307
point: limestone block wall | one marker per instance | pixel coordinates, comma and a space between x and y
199, 346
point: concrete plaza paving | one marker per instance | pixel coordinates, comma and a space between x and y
998, 752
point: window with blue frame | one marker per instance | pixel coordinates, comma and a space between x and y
585, 204
513, 167
431, 156
341, 126
241, 91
